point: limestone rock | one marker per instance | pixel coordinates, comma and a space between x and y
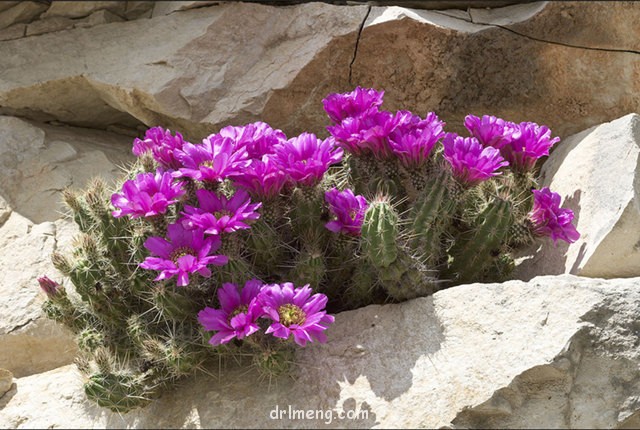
7, 5
596, 172
80, 9
14, 31
36, 163
49, 25
557, 352
167, 7
97, 18
6, 381
22, 12
139, 9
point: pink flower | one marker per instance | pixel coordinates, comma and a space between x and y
306, 158
49, 286
237, 318
529, 142
549, 219
414, 138
349, 210
471, 162
353, 104
263, 178
217, 214
162, 144
490, 130
295, 312
212, 161
258, 138
147, 195
186, 251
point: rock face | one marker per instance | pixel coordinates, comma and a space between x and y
288, 58
596, 172
557, 352
36, 163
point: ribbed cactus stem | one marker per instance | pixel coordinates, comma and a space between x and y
473, 252
380, 232
119, 392
309, 267
173, 305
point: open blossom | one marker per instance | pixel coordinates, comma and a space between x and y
353, 104
470, 161
147, 195
259, 138
414, 138
367, 133
217, 214
263, 178
238, 314
490, 130
349, 210
529, 142
212, 161
163, 146
185, 251
296, 312
306, 158
549, 219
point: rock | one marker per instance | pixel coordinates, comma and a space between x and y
80, 9
167, 7
557, 352
139, 9
39, 161
49, 25
98, 18
14, 31
205, 76
7, 5
24, 11
599, 182
6, 381
36, 163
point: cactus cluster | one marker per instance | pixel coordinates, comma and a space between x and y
196, 254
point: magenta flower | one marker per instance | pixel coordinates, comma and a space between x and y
212, 161
549, 219
258, 138
414, 138
353, 104
349, 210
263, 178
162, 144
471, 162
217, 214
306, 158
528, 143
490, 130
186, 251
367, 133
295, 311
147, 195
237, 318
49, 286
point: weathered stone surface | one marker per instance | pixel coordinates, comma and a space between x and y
557, 352
597, 174
48, 25
24, 11
98, 18
139, 9
36, 163
6, 381
7, 5
15, 31
79, 9
167, 7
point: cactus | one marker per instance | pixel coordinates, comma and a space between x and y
152, 268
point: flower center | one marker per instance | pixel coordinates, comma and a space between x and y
181, 252
291, 314
237, 311
207, 163
222, 212
352, 214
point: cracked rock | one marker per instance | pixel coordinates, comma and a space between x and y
430, 362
